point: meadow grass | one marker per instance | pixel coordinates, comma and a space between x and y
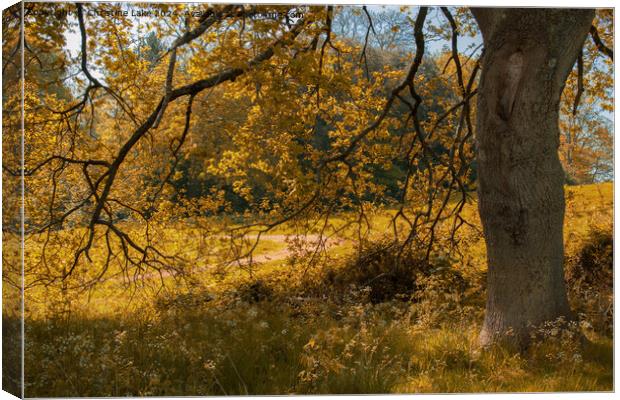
223, 334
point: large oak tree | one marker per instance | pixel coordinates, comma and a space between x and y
528, 56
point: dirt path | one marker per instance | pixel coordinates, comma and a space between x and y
309, 241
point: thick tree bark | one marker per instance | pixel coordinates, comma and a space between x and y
528, 55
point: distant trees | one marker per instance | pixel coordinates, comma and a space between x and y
586, 143
586, 146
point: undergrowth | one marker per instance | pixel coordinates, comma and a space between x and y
376, 322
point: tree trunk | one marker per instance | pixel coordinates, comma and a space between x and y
528, 55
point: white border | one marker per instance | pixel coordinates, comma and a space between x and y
481, 3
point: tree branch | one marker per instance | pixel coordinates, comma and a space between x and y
599, 43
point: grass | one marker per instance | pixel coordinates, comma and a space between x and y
206, 336
458, 369
263, 350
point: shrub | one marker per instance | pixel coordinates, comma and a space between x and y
255, 291
594, 263
390, 272
589, 277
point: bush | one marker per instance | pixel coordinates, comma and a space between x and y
589, 277
390, 272
255, 291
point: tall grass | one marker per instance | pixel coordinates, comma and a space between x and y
264, 349
294, 332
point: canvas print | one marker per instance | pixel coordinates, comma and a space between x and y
245, 199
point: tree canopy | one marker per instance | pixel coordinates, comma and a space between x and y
238, 119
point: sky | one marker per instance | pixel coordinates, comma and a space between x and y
73, 38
